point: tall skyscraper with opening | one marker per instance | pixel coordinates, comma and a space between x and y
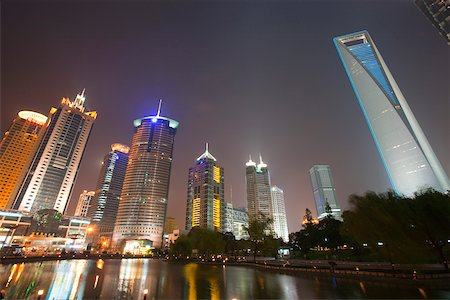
142, 208
205, 205
259, 200
405, 151
105, 203
324, 192
279, 214
50, 178
84, 203
16, 150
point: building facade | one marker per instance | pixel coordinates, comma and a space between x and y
437, 12
405, 151
50, 178
16, 150
84, 203
105, 203
324, 191
228, 217
259, 200
240, 223
205, 205
279, 214
142, 208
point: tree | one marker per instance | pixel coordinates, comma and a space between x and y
401, 229
258, 230
429, 219
182, 246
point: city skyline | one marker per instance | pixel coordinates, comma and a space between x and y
273, 49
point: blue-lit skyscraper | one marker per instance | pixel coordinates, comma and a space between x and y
105, 203
143, 202
408, 157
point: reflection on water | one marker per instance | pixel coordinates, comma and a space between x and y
128, 278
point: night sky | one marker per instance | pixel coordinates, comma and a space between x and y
245, 76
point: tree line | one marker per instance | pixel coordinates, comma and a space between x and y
382, 226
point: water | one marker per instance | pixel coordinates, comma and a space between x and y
129, 278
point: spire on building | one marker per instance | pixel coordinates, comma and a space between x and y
250, 161
206, 154
261, 163
79, 100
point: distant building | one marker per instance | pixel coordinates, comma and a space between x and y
240, 223
405, 151
16, 150
50, 178
143, 204
259, 200
170, 225
205, 205
228, 217
84, 203
105, 203
324, 191
437, 12
279, 214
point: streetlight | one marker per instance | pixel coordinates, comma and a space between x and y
40, 293
145, 294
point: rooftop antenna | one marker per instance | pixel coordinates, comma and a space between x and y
206, 150
159, 108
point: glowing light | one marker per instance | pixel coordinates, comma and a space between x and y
33, 117
216, 211
196, 212
146, 292
40, 292
154, 120
120, 147
216, 175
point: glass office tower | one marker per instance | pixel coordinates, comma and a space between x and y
259, 197
50, 178
324, 191
105, 203
406, 153
142, 208
279, 214
205, 206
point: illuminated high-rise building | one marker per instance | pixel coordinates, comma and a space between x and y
324, 191
205, 205
50, 178
259, 199
84, 203
279, 214
16, 150
142, 208
405, 151
105, 203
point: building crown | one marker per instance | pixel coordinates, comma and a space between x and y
206, 154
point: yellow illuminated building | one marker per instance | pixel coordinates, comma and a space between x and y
205, 203
196, 212
16, 151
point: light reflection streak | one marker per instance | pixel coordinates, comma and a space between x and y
190, 271
11, 275
66, 281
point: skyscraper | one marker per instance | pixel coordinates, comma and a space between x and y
259, 200
49, 180
408, 157
324, 191
205, 206
84, 203
279, 214
16, 149
105, 203
240, 223
142, 208
437, 11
